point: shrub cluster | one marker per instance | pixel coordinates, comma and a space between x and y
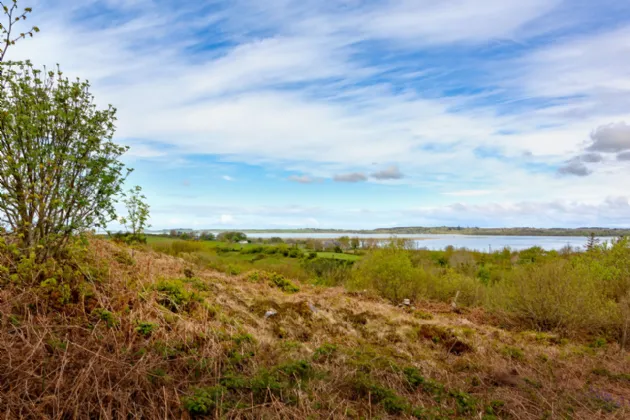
570, 292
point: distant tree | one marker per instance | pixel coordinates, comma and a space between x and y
276, 240
591, 242
187, 236
315, 244
355, 243
173, 233
344, 242
207, 236
60, 172
137, 215
231, 237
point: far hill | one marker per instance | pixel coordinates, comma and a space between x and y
449, 230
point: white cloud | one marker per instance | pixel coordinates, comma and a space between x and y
351, 177
301, 179
290, 88
227, 178
226, 219
391, 172
468, 193
611, 138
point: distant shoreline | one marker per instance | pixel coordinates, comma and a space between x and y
559, 232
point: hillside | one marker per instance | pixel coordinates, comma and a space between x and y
131, 333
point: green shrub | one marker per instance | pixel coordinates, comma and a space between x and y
203, 401
181, 247
279, 281
107, 316
146, 328
328, 271
231, 237
513, 353
296, 370
324, 352
445, 287
174, 296
555, 295
389, 272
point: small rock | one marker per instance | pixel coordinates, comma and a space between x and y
270, 313
406, 302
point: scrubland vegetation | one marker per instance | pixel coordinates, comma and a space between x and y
570, 292
115, 330
126, 326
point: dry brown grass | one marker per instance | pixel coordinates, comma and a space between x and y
64, 361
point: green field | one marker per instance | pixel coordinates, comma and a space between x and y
235, 258
337, 256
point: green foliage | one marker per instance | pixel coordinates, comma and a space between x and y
108, 317
282, 283
146, 328
296, 370
203, 401
366, 388
274, 279
622, 377
422, 315
390, 272
513, 353
59, 292
207, 236
137, 214
56, 179
416, 380
177, 247
175, 296
325, 352
555, 295
231, 237
328, 271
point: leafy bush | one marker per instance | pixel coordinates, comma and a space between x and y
108, 317
203, 401
556, 295
174, 296
389, 272
145, 328
231, 237
57, 149
328, 271
274, 279
282, 283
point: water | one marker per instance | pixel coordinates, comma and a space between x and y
439, 242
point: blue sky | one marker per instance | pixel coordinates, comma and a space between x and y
359, 114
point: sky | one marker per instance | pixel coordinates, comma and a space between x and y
358, 113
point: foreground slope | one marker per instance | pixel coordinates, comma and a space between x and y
132, 333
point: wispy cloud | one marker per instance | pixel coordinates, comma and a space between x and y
325, 88
468, 193
301, 179
351, 177
391, 172
574, 167
227, 178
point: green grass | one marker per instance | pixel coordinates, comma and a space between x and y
334, 255
228, 258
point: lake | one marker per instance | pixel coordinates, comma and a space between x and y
473, 242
